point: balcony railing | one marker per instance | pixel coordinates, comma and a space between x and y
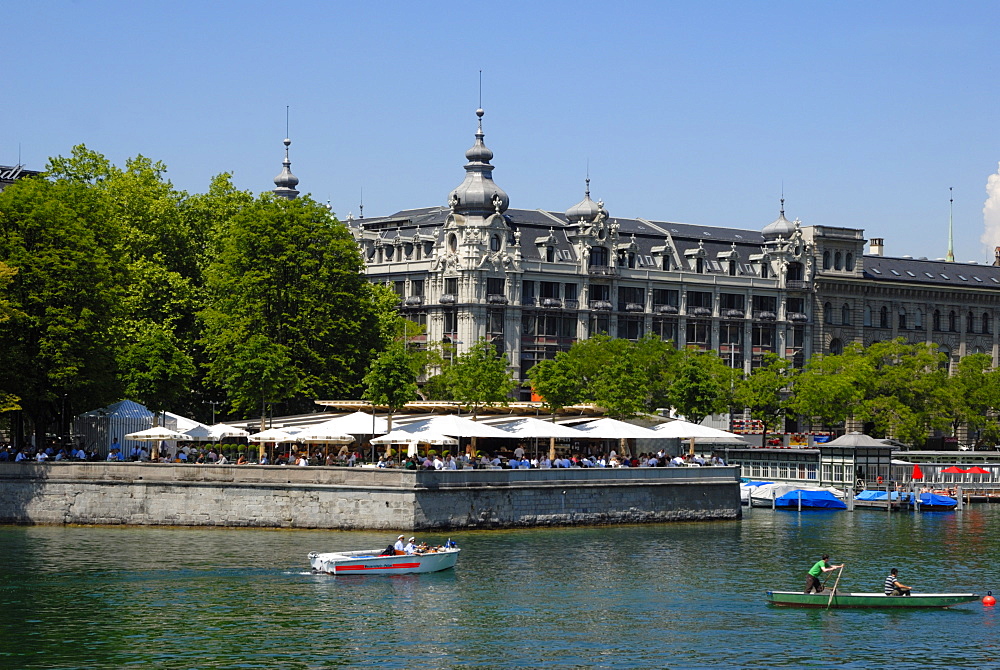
414, 301
665, 309
796, 285
497, 299
602, 270
634, 307
601, 304
572, 304
551, 302
447, 299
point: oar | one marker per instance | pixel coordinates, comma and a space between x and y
830, 601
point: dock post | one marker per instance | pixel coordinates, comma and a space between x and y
774, 500
959, 496
800, 500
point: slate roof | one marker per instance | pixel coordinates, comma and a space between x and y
924, 271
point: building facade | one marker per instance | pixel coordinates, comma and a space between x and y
534, 281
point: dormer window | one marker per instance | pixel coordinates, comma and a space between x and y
699, 265
765, 269
495, 243
550, 254
732, 268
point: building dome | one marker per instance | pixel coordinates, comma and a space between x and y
286, 181
780, 227
478, 193
585, 210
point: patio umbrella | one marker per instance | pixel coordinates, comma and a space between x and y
323, 433
157, 434
271, 435
358, 423
686, 429
412, 439
613, 429
976, 470
200, 433
530, 427
455, 426
223, 430
953, 470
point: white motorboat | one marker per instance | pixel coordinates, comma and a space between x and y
764, 495
370, 562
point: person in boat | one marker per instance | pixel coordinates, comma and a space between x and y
399, 546
816, 571
893, 587
410, 547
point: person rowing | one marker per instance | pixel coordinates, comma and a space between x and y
816, 571
893, 587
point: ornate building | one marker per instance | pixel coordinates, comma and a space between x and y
534, 281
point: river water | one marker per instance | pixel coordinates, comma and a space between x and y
684, 595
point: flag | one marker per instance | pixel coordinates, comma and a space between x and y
917, 472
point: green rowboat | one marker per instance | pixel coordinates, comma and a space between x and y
844, 599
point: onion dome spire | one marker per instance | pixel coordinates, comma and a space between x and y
780, 227
478, 194
286, 181
585, 210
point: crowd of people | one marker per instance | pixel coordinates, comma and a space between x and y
431, 460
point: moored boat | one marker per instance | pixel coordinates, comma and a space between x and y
844, 599
781, 494
925, 501
370, 562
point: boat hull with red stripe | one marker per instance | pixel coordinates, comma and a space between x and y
371, 563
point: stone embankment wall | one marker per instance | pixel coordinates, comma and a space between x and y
358, 498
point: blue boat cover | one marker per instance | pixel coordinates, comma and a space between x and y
876, 495
935, 499
753, 483
810, 499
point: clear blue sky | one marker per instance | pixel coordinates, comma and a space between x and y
695, 112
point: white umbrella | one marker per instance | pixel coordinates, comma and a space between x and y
272, 435
200, 433
530, 427
456, 426
358, 423
686, 429
418, 437
221, 430
613, 429
157, 434
324, 432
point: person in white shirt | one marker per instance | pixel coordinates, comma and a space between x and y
399, 546
438, 463
410, 548
42, 457
519, 452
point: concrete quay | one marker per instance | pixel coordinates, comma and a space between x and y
359, 498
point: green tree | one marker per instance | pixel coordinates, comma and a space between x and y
8, 402
481, 377
156, 371
829, 388
702, 385
289, 274
622, 387
762, 392
392, 379
57, 352
972, 397
556, 381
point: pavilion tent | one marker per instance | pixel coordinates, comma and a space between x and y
455, 426
98, 428
200, 433
855, 440
221, 431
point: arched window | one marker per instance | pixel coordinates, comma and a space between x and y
836, 347
936, 320
826, 260
986, 323
952, 322
902, 318
389, 250
883, 317
732, 268
666, 261
849, 263
495, 243
827, 313
845, 314
550, 254
970, 323
699, 265
919, 321
838, 261
765, 269
453, 242
631, 259
868, 316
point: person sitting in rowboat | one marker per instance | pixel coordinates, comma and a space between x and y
818, 568
893, 587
